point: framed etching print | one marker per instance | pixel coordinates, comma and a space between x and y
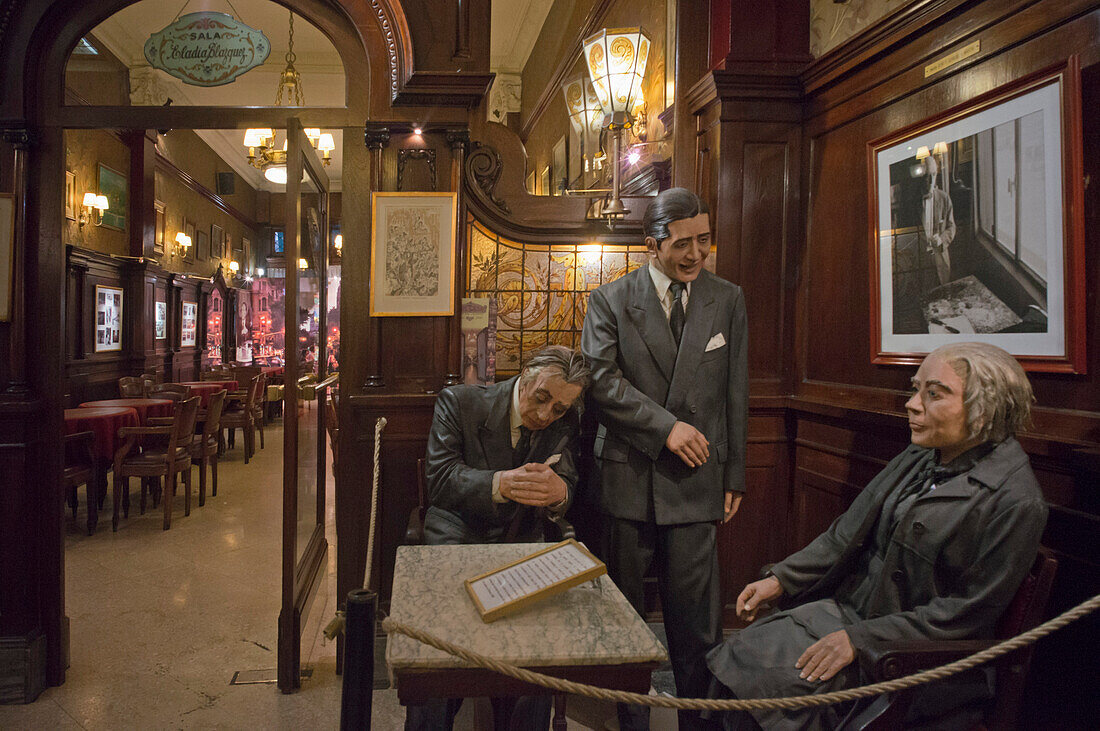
108, 318
978, 228
413, 254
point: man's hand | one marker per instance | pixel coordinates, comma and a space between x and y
688, 443
826, 657
733, 502
533, 484
755, 594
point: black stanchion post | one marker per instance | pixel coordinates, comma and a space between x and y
355, 703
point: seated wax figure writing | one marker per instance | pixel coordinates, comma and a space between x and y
933, 548
498, 457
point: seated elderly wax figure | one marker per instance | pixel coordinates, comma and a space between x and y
499, 457
933, 548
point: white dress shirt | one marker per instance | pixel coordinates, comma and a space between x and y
662, 282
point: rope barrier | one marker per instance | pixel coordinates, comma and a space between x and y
823, 699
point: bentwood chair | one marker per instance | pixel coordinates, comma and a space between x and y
174, 391
241, 415
131, 387
204, 446
155, 459
80, 469
891, 660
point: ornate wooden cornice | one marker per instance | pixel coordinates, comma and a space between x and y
443, 89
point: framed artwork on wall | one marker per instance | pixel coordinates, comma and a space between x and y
238, 244
161, 225
70, 195
217, 241
529, 182
108, 318
114, 185
559, 168
189, 317
189, 229
412, 254
7, 253
978, 229
161, 320
544, 181
246, 250
202, 245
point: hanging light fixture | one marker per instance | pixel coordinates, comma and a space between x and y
616, 60
262, 152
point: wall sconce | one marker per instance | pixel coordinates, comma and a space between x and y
94, 206
338, 243
922, 153
234, 267
183, 244
616, 61
303, 264
260, 271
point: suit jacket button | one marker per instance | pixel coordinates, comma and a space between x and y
918, 527
897, 576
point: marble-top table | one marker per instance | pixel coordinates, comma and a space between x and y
589, 634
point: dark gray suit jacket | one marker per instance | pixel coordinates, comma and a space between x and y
469, 441
643, 386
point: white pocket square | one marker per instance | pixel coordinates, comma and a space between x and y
716, 342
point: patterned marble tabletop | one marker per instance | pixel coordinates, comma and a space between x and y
587, 625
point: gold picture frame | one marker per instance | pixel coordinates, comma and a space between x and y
71, 204
412, 258
528, 580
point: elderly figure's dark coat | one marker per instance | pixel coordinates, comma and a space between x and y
945, 566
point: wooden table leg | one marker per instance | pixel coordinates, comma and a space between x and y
559, 713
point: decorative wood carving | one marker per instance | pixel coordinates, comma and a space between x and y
391, 42
415, 153
483, 168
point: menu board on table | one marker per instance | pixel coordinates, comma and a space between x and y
533, 578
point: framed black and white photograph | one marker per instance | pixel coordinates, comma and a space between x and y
161, 320
977, 228
189, 319
108, 321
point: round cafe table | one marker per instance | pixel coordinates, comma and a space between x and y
104, 422
228, 385
205, 389
145, 407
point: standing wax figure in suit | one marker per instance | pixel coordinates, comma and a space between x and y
933, 548
500, 457
667, 345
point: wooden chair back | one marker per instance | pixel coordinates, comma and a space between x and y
183, 426
174, 391
131, 387
213, 416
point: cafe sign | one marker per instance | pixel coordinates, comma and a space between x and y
207, 49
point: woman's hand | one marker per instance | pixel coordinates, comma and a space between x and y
826, 657
755, 594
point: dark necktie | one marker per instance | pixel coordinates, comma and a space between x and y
523, 446
676, 315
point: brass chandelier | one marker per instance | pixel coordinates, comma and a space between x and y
262, 151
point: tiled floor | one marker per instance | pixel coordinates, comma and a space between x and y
160, 620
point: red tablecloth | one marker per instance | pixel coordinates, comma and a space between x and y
206, 389
104, 422
228, 385
145, 407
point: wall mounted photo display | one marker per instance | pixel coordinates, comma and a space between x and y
217, 242
202, 245
161, 320
977, 228
7, 253
70, 195
189, 229
412, 254
108, 322
116, 187
161, 226
189, 318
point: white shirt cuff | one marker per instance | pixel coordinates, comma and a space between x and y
497, 497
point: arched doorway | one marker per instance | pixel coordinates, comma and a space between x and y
42, 164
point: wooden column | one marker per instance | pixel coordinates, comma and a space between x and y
459, 140
377, 140
20, 139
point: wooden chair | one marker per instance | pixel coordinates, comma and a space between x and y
131, 387
241, 414
204, 446
258, 405
174, 391
887, 661
80, 470
216, 373
166, 459
332, 425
